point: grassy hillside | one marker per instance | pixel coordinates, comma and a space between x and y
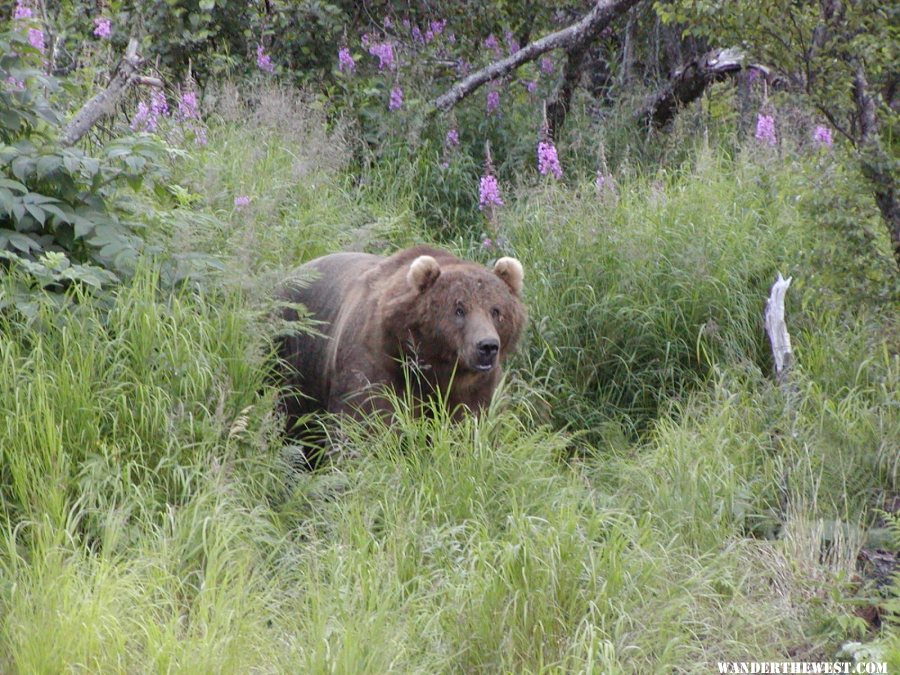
641, 498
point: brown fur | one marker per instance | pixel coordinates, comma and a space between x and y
379, 315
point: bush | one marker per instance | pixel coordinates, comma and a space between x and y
64, 216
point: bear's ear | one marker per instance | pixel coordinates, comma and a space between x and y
510, 270
423, 272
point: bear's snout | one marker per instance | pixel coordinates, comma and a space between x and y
486, 353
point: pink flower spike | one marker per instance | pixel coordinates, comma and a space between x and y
489, 193
36, 39
396, 101
765, 129
263, 60
493, 101
241, 201
548, 161
102, 27
345, 61
23, 11
822, 136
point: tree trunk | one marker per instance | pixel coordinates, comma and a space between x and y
877, 165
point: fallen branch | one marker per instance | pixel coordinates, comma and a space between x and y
603, 12
776, 328
689, 83
103, 103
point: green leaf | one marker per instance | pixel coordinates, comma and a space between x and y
13, 185
22, 242
36, 212
83, 226
47, 165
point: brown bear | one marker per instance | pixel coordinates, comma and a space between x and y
421, 315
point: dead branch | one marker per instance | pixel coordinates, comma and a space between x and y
603, 12
776, 328
689, 83
103, 102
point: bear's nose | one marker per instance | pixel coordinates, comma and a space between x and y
487, 349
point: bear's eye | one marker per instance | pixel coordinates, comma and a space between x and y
495, 313
460, 312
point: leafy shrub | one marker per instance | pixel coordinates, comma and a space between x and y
63, 217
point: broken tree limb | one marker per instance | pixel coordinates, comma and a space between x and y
689, 83
104, 102
776, 328
602, 13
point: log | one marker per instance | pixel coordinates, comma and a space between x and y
602, 13
776, 328
103, 103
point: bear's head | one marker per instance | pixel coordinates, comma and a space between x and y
461, 316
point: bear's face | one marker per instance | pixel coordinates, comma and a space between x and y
466, 316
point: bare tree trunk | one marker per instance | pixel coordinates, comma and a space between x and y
602, 13
628, 50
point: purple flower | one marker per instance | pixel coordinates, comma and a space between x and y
385, 53
512, 45
437, 27
386, 22
444, 165
531, 86
158, 105
36, 39
417, 35
603, 182
429, 35
547, 65
765, 129
241, 201
23, 11
548, 161
263, 60
396, 101
490, 42
452, 138
489, 193
13, 84
142, 121
493, 100
187, 105
345, 60
102, 27
822, 136
487, 243
451, 38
